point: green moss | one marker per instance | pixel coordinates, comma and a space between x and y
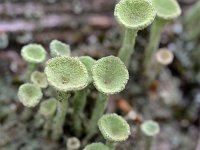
33, 53
66, 74
29, 94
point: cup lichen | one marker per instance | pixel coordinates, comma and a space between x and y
29, 94
96, 146
66, 73
110, 75
58, 48
133, 15
33, 53
150, 128
114, 128
73, 143
39, 78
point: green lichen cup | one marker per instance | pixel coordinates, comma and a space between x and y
114, 128
150, 128
33, 53
110, 75
134, 14
66, 73
58, 48
96, 146
29, 94
167, 9
48, 107
39, 78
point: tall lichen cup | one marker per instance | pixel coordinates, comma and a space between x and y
150, 129
96, 146
65, 74
58, 48
114, 129
29, 94
81, 96
33, 54
133, 15
110, 76
166, 11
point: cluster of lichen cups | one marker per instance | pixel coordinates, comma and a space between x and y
71, 76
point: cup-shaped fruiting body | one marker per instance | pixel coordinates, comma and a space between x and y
58, 48
96, 146
167, 9
73, 143
39, 78
88, 62
29, 94
114, 128
164, 56
33, 53
150, 128
134, 14
66, 73
110, 75
48, 107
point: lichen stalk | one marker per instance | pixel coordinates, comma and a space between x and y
79, 104
58, 122
154, 39
97, 112
111, 145
30, 69
127, 48
148, 142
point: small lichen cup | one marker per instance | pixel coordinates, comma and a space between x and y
150, 129
73, 143
163, 57
65, 74
96, 146
58, 48
47, 110
114, 129
110, 76
33, 54
81, 96
29, 94
133, 15
166, 11
39, 78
